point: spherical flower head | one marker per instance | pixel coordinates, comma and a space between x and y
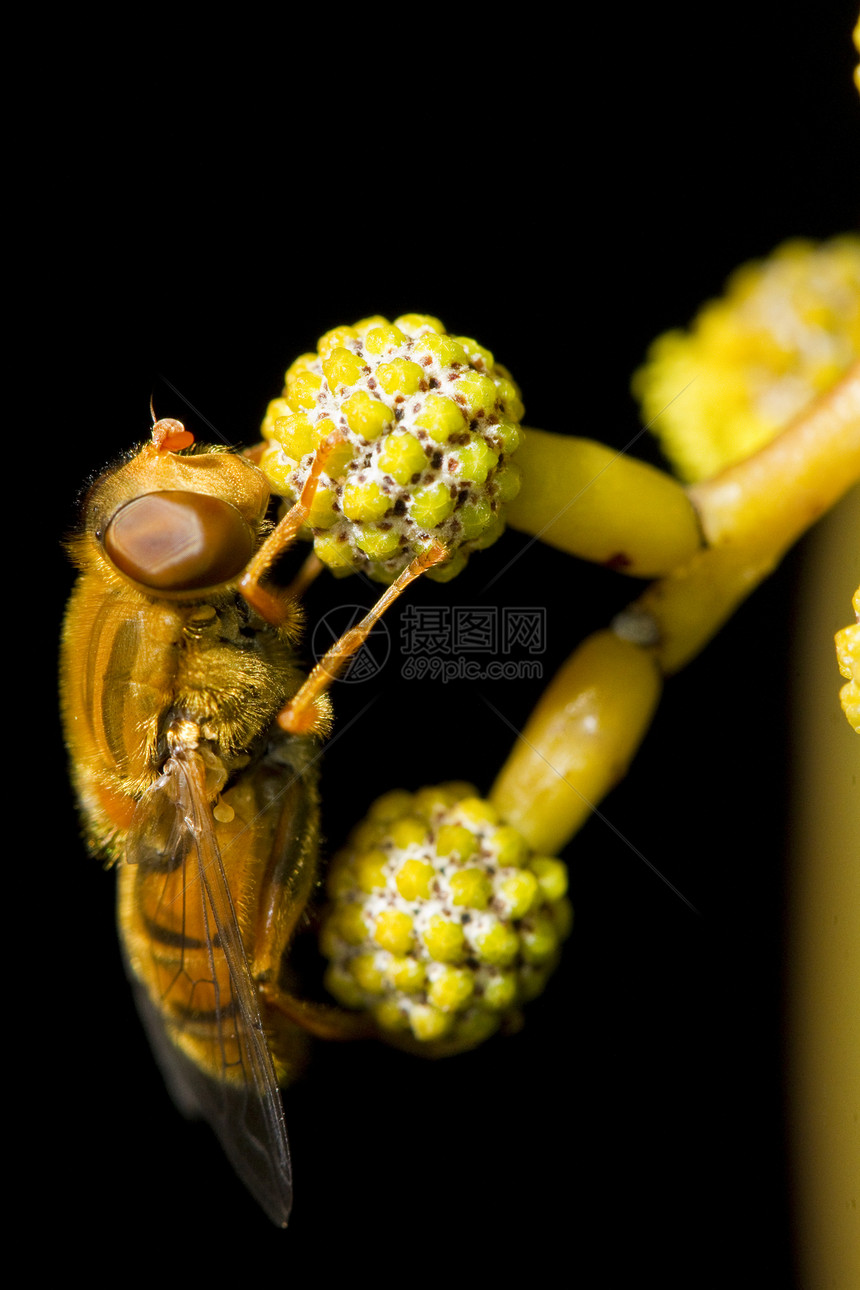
848, 656
785, 331
429, 424
442, 921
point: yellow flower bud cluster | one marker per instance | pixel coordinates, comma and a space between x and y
785, 331
429, 423
848, 656
442, 921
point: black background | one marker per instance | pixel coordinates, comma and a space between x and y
564, 199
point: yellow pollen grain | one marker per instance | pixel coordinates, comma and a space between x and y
500, 992
407, 831
431, 504
302, 390
476, 461
471, 887
277, 408
402, 457
455, 838
334, 554
295, 434
334, 339
303, 363
479, 355
377, 543
367, 973
390, 1015
366, 415
474, 517
499, 945
445, 349
452, 989
444, 940
393, 931
364, 325
322, 514
380, 339
441, 418
364, 501
429, 1023
520, 892
406, 974
477, 811
412, 324
511, 436
510, 847
539, 939
415, 879
400, 376
479, 392
340, 983
342, 367
508, 482
351, 924
369, 869
367, 833
551, 875
390, 806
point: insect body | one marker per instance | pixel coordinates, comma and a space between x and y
190, 731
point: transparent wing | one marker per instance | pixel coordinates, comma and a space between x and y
172, 832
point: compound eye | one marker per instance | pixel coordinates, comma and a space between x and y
176, 541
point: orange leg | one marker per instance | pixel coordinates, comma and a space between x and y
276, 607
324, 1021
308, 711
309, 572
282, 903
301, 714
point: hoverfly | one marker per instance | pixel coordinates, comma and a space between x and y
193, 742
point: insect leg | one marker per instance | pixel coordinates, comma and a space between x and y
300, 714
290, 878
309, 572
322, 1020
276, 607
304, 714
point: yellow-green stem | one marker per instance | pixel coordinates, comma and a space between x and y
602, 505
578, 742
823, 943
751, 514
590, 721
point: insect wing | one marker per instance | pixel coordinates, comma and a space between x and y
172, 825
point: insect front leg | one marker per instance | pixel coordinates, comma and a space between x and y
307, 712
277, 607
298, 715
